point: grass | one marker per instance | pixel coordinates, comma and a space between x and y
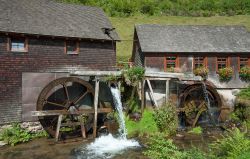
125, 27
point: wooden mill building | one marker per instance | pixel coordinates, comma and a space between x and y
41, 40
184, 48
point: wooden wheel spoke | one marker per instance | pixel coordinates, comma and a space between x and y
56, 104
81, 97
66, 91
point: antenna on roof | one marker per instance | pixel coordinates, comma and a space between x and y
107, 30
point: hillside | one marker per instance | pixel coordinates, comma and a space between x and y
125, 26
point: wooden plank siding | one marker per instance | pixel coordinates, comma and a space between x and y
45, 54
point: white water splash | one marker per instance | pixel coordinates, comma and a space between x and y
108, 146
118, 105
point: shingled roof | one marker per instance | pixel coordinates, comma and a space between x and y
181, 38
50, 18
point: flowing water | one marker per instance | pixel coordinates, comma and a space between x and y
204, 87
108, 146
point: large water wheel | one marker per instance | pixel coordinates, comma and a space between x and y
194, 107
67, 93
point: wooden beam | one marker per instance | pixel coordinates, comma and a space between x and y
167, 91
65, 112
95, 107
59, 122
142, 96
151, 93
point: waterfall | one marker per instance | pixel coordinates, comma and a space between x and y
108, 146
204, 87
118, 105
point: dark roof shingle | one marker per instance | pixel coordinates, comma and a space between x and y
187, 38
50, 18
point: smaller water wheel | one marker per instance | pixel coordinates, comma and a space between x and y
67, 93
194, 108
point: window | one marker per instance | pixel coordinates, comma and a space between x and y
171, 62
244, 61
222, 62
18, 44
199, 62
71, 47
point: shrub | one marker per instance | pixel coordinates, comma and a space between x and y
133, 75
201, 71
146, 126
225, 74
245, 73
159, 147
231, 146
196, 130
15, 134
166, 118
244, 94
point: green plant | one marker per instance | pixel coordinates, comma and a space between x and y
231, 145
146, 126
195, 153
15, 134
159, 147
225, 74
244, 94
196, 130
245, 73
166, 118
133, 75
201, 71
111, 78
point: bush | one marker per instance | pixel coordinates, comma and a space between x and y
245, 73
201, 71
232, 145
196, 130
146, 126
15, 134
244, 94
166, 118
159, 147
225, 74
133, 75
169, 7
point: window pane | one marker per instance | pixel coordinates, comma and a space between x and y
17, 44
71, 47
171, 62
221, 62
243, 61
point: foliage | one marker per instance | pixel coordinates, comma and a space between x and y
245, 73
196, 130
159, 147
169, 7
15, 134
133, 75
232, 145
145, 126
133, 105
201, 71
166, 118
225, 74
244, 94
111, 78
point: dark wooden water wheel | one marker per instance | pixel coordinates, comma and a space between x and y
67, 93
194, 108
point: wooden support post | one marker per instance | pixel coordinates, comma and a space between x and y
167, 91
96, 107
152, 93
59, 122
83, 130
142, 96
